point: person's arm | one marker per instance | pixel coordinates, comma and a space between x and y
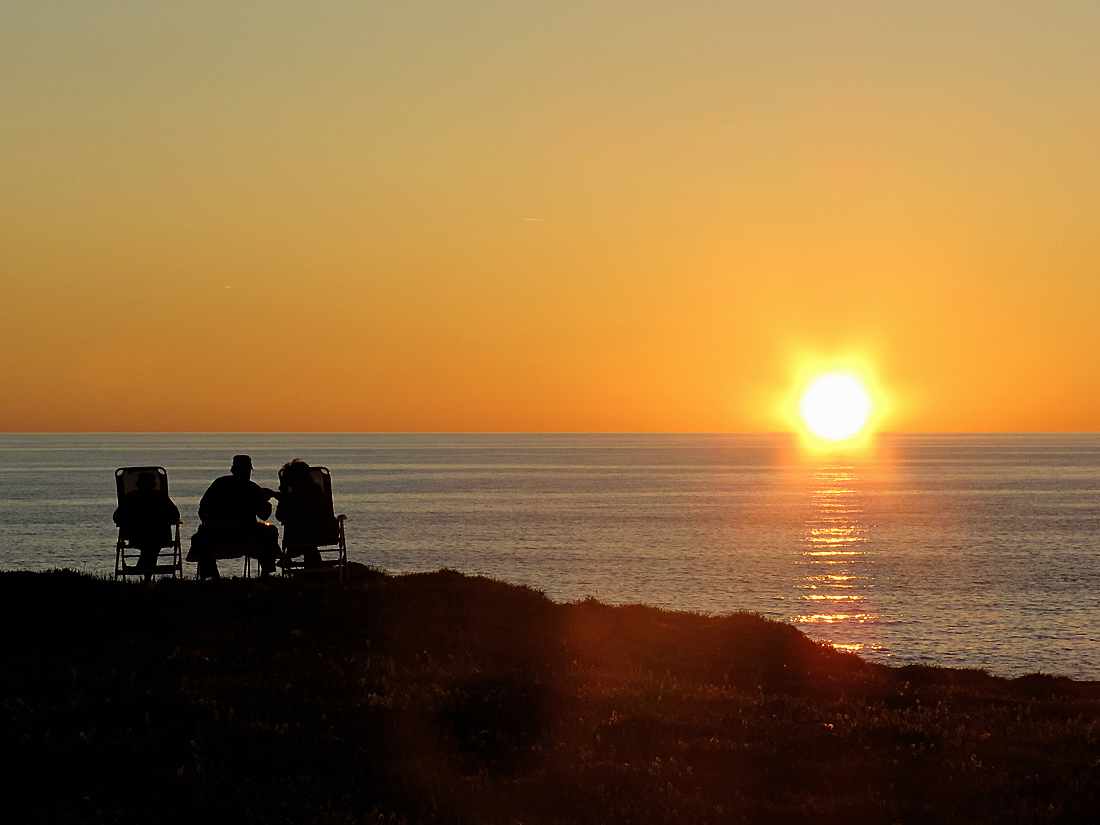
261, 501
206, 505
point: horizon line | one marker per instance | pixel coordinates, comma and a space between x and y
532, 432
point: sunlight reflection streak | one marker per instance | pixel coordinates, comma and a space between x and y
834, 541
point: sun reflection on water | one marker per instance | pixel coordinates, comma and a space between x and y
835, 562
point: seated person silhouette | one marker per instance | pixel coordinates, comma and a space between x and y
145, 516
305, 511
228, 512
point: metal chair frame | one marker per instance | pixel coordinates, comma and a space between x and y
329, 566
122, 567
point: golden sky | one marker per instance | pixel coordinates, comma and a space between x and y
546, 216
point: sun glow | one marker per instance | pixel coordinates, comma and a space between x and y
836, 406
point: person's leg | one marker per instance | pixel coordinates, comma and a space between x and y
147, 561
267, 547
202, 552
207, 565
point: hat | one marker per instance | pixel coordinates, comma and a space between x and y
242, 461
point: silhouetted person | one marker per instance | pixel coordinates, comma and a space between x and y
146, 516
228, 512
305, 511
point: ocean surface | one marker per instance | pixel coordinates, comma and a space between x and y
978, 551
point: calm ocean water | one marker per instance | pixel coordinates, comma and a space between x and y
957, 550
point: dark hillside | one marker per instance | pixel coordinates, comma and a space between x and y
446, 698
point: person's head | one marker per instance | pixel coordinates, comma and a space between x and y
294, 471
146, 481
242, 466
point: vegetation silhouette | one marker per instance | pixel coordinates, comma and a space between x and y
440, 697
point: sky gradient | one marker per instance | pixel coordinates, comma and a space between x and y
546, 216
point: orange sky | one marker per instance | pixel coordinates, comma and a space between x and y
544, 216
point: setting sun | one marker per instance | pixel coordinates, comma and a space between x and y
836, 405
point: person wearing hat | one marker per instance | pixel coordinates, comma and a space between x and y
229, 510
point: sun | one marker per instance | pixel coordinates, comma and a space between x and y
836, 405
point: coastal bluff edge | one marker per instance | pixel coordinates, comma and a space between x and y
447, 698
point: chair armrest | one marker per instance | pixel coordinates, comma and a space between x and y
341, 517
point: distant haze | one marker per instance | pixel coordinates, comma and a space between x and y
534, 216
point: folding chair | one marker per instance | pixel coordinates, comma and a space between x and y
138, 534
318, 530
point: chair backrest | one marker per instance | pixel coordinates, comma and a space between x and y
319, 476
321, 528
126, 480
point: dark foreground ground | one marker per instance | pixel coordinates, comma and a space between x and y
445, 698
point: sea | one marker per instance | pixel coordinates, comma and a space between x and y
964, 551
